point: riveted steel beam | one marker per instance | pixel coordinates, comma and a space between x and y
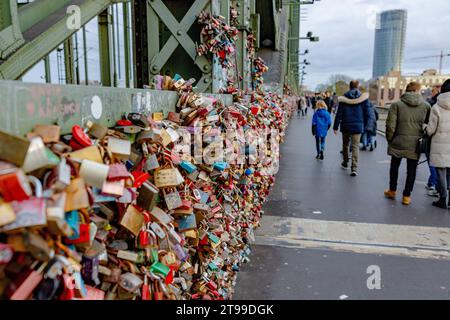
50, 35
10, 35
158, 12
104, 37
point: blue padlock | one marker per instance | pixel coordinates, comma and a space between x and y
188, 167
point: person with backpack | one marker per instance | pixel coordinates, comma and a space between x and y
439, 129
370, 131
404, 129
321, 123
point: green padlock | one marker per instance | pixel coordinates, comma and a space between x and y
153, 255
213, 266
160, 268
213, 238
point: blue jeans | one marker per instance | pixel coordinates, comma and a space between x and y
433, 179
444, 178
368, 139
320, 144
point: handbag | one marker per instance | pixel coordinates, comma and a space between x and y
424, 145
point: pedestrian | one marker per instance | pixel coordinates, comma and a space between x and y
308, 105
439, 129
299, 107
404, 128
313, 101
321, 123
304, 105
432, 183
351, 118
329, 101
370, 131
335, 102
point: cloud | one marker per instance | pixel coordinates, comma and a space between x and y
345, 28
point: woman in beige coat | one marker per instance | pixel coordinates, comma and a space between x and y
439, 129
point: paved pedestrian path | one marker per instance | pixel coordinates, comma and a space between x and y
323, 229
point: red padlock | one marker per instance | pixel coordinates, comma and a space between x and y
15, 186
145, 291
79, 139
139, 178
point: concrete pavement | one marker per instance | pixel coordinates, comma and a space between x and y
322, 229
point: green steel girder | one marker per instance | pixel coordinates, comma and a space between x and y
38, 10
10, 35
179, 37
36, 49
244, 8
69, 61
104, 37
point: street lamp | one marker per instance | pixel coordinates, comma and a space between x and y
310, 37
305, 62
302, 54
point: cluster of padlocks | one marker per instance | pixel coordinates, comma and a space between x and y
119, 213
217, 38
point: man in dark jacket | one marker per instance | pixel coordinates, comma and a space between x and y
351, 117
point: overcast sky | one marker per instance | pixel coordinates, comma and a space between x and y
346, 31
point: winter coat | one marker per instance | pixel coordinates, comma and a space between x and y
321, 123
404, 125
372, 119
302, 103
439, 128
352, 113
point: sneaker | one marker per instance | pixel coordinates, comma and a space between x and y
321, 155
406, 201
354, 173
441, 203
344, 165
428, 187
390, 194
317, 157
371, 148
432, 192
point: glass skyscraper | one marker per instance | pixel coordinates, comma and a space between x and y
390, 37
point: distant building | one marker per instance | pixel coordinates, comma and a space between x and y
390, 37
387, 89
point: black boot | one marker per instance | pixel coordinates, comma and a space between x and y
441, 203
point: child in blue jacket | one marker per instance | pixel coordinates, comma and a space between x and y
321, 123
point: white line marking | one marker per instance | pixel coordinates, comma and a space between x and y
401, 240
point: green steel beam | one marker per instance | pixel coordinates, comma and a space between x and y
179, 37
10, 35
104, 35
48, 72
126, 37
179, 34
69, 61
39, 10
243, 7
85, 57
26, 104
35, 50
